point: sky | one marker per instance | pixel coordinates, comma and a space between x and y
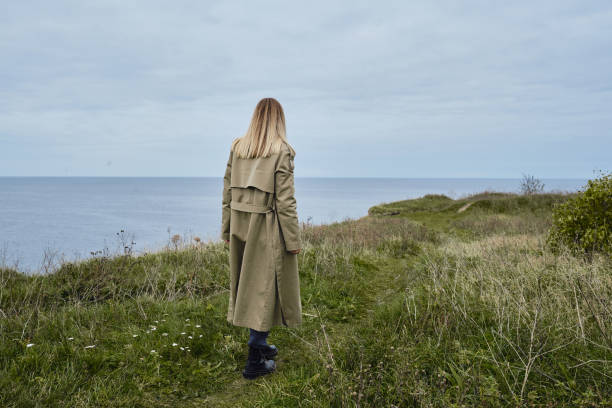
370, 89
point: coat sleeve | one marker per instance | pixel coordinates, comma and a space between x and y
227, 198
286, 206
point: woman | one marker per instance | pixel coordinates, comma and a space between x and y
260, 224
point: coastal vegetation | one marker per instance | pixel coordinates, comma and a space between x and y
584, 223
424, 302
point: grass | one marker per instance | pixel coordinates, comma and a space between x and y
426, 302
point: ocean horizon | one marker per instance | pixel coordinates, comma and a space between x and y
45, 221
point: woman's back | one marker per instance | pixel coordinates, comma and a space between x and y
256, 172
264, 184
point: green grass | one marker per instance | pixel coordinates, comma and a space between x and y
417, 304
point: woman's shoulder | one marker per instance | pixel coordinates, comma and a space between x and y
233, 144
287, 149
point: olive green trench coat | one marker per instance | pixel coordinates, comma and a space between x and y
259, 218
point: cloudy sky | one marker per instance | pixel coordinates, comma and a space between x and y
378, 89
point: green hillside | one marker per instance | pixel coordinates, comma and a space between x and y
425, 302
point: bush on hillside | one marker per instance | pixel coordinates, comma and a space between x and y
584, 222
531, 185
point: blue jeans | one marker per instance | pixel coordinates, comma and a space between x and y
257, 338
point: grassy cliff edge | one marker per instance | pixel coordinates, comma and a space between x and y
424, 302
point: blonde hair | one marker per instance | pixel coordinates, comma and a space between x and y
266, 133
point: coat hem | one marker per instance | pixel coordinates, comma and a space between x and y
262, 327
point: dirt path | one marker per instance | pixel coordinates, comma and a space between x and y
465, 207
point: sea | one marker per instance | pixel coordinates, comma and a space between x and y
45, 221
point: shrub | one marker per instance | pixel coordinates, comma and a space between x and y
584, 222
531, 185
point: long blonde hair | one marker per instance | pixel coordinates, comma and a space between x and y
266, 133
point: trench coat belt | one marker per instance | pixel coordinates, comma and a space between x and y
250, 207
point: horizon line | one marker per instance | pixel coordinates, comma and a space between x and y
312, 177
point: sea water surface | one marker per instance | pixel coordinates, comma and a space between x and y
69, 218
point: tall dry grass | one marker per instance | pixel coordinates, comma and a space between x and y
543, 318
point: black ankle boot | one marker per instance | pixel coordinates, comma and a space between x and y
268, 350
257, 364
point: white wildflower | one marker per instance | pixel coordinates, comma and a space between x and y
174, 344
92, 346
134, 335
70, 338
197, 325
190, 337
164, 334
182, 348
29, 345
